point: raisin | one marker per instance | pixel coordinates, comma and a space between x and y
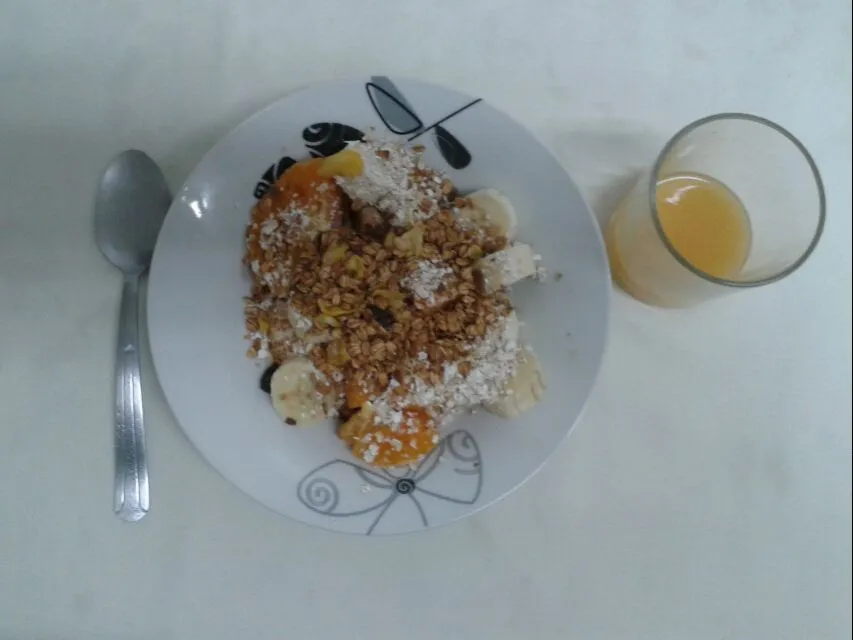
383, 317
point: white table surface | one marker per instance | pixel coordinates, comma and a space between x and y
706, 492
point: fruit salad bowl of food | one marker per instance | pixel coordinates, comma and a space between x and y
378, 306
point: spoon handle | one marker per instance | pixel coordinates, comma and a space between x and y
131, 469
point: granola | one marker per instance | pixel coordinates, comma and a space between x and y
364, 266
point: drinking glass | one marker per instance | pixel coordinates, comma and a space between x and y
732, 202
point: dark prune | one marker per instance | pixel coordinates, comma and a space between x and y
383, 317
266, 377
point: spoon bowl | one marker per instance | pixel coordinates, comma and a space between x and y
131, 203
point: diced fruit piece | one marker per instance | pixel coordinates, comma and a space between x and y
512, 327
355, 266
318, 336
357, 395
333, 311
388, 446
505, 268
295, 394
334, 254
346, 164
336, 353
489, 208
411, 242
301, 324
302, 187
524, 390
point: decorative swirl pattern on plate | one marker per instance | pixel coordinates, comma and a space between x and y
321, 139
340, 488
461, 445
404, 486
321, 494
327, 138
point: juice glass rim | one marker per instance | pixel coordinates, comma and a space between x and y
653, 180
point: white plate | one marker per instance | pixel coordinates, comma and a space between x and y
195, 315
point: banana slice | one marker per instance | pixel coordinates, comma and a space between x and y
489, 207
294, 393
524, 390
512, 327
505, 268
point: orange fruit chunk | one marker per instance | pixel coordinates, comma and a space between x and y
346, 163
385, 446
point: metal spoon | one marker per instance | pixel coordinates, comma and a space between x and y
130, 205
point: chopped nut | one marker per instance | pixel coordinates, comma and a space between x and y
366, 325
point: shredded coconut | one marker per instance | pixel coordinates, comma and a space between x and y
492, 361
283, 223
263, 343
388, 181
425, 280
272, 233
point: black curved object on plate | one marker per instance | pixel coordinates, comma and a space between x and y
453, 151
400, 118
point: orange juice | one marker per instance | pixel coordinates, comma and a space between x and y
702, 219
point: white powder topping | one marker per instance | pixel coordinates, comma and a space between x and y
492, 362
263, 345
272, 234
388, 182
425, 280
541, 272
280, 225
371, 452
508, 266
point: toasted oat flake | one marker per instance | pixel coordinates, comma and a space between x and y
391, 315
491, 362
